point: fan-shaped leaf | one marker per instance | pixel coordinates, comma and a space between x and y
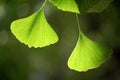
90, 6
66, 5
88, 54
34, 30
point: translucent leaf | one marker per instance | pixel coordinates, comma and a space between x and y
88, 55
91, 6
66, 5
34, 30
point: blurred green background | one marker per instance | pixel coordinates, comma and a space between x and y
18, 62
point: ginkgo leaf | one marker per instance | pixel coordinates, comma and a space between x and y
100, 6
91, 6
88, 54
66, 5
34, 30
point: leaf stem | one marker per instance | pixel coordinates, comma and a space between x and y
78, 24
43, 4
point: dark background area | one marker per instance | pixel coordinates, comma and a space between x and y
18, 62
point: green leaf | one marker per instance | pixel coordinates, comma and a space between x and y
34, 30
66, 5
88, 54
91, 6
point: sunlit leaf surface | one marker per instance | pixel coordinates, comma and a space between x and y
34, 30
66, 5
88, 54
